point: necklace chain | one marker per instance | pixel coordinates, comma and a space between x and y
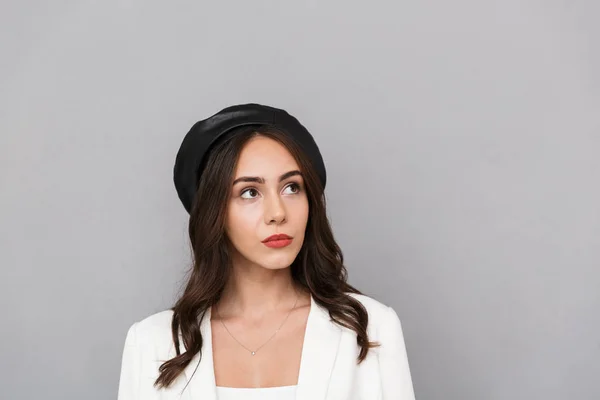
253, 352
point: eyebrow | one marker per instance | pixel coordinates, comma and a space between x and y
258, 179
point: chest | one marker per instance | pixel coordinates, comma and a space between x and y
277, 357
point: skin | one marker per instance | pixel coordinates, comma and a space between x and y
261, 293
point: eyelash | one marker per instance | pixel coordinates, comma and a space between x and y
297, 185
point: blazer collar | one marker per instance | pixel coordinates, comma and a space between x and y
319, 350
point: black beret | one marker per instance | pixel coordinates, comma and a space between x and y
198, 142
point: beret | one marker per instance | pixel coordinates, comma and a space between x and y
198, 142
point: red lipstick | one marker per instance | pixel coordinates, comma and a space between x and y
277, 241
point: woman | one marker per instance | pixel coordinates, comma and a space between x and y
267, 312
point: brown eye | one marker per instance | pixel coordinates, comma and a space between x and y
251, 191
295, 186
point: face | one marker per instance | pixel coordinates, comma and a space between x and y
268, 198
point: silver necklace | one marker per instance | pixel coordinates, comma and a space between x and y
253, 352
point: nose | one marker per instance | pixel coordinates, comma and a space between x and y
274, 210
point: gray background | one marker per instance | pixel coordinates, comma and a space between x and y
462, 145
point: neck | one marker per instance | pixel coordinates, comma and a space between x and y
254, 291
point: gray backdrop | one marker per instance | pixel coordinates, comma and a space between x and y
462, 145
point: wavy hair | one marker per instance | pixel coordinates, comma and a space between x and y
318, 268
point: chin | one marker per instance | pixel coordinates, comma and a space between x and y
279, 262
276, 266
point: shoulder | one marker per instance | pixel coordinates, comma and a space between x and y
147, 345
378, 312
369, 303
383, 319
392, 359
152, 330
156, 322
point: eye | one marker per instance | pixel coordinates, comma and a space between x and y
251, 191
294, 186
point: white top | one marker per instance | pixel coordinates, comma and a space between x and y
268, 393
328, 367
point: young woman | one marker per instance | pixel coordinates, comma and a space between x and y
267, 312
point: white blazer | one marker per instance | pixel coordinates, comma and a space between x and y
328, 367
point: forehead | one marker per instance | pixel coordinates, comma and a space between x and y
263, 156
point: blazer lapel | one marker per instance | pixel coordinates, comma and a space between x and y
321, 343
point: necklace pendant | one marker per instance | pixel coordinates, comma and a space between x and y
253, 353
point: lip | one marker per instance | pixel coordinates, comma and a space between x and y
277, 241
278, 237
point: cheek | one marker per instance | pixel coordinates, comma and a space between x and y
303, 216
241, 223
298, 214
301, 208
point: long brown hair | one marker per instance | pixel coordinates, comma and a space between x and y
318, 268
